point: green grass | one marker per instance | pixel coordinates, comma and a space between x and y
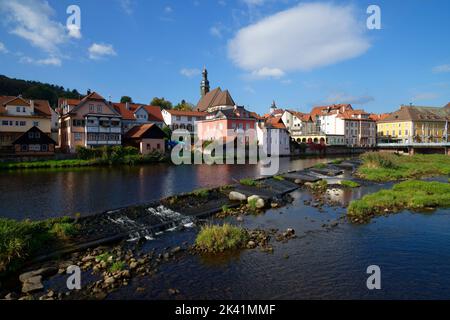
252, 204
117, 266
320, 186
248, 182
201, 193
320, 166
19, 240
104, 161
337, 161
278, 178
412, 195
350, 184
390, 167
216, 239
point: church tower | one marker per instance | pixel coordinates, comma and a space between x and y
204, 86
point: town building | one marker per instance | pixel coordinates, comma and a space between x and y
134, 114
344, 126
415, 125
273, 136
147, 138
34, 142
301, 127
178, 119
18, 115
92, 122
224, 120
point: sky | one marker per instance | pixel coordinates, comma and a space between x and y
299, 54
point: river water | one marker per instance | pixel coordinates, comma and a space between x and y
43, 193
411, 250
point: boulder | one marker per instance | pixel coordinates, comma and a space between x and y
236, 196
44, 272
32, 284
259, 201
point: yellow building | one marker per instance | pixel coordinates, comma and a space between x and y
413, 124
18, 115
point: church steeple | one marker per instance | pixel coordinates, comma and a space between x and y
204, 86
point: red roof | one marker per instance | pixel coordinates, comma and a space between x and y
124, 112
154, 113
316, 111
41, 107
275, 122
187, 113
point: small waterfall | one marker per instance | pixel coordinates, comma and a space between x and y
139, 230
169, 216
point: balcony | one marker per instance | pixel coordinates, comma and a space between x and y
99, 129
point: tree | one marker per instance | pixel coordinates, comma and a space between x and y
126, 99
161, 102
184, 106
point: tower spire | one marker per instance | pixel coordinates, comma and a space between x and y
204, 86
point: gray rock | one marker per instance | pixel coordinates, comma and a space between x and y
259, 201
32, 284
176, 250
236, 196
44, 272
110, 281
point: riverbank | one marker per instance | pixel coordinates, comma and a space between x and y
383, 167
91, 158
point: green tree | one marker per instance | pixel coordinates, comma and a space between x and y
126, 99
184, 106
161, 102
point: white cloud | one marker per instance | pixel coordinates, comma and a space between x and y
50, 61
444, 68
341, 97
215, 31
305, 37
265, 73
254, 2
168, 9
3, 48
74, 31
127, 6
101, 50
190, 72
31, 20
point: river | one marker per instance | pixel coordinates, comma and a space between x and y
43, 193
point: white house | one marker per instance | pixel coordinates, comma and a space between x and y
273, 137
177, 119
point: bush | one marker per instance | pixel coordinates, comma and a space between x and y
278, 178
216, 239
380, 160
201, 193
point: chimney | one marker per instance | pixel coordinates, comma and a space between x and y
88, 92
32, 106
127, 105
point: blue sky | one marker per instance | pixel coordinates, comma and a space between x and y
298, 53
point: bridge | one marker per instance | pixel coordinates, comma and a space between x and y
417, 147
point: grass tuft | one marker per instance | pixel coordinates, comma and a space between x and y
216, 239
248, 182
350, 184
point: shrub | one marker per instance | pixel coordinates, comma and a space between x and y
320, 166
216, 239
379, 160
278, 178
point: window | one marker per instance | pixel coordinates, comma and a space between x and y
23, 109
5, 123
189, 119
36, 123
158, 146
78, 123
17, 123
37, 135
17, 109
44, 147
23, 123
31, 135
99, 109
77, 136
24, 148
148, 146
91, 108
